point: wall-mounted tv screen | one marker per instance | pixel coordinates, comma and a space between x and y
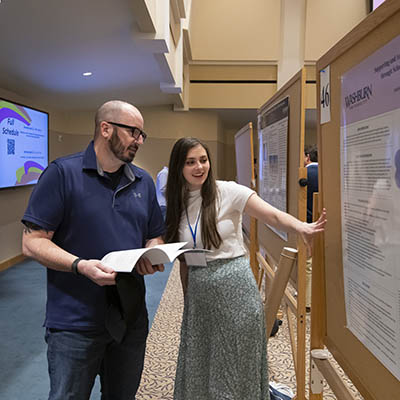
24, 138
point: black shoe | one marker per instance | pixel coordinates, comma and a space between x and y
275, 328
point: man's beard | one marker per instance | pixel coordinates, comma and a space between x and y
117, 148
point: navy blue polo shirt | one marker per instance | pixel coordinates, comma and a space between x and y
74, 199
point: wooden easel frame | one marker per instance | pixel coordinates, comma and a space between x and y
370, 377
296, 90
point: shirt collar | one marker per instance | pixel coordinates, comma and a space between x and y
90, 162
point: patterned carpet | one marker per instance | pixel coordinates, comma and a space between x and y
163, 343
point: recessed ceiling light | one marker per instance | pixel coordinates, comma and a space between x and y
87, 73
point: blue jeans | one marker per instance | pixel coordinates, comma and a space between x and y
75, 358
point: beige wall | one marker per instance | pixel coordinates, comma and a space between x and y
328, 21
162, 122
221, 149
291, 44
165, 126
310, 136
12, 206
72, 122
235, 30
230, 95
230, 154
61, 144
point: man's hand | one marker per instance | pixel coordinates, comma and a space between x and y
97, 272
144, 267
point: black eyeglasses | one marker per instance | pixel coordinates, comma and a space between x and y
133, 130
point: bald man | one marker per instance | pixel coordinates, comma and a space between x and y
84, 206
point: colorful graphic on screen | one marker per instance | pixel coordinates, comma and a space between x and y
28, 173
23, 144
10, 110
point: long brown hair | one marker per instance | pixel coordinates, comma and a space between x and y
178, 194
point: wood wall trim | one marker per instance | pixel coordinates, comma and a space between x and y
11, 262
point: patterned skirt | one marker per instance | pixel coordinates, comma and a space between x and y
223, 351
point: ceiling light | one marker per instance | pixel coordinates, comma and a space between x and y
85, 73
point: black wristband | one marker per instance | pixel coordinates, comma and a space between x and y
74, 266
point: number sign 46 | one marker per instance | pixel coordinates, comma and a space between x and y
325, 95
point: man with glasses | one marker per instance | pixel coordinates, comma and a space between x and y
84, 206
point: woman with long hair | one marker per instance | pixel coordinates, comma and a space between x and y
223, 351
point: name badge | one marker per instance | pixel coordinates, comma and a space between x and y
198, 259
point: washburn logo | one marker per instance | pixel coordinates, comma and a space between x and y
362, 94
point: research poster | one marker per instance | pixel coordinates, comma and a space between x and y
370, 189
23, 144
273, 141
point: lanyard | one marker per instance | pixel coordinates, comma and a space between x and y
195, 227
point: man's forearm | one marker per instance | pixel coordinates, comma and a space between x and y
37, 244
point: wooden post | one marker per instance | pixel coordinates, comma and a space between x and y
318, 321
334, 379
301, 293
281, 278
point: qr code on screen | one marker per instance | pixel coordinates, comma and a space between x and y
10, 146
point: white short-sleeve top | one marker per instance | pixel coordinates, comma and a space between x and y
231, 200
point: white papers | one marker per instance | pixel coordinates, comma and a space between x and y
125, 260
370, 173
273, 142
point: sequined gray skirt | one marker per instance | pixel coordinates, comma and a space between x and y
223, 351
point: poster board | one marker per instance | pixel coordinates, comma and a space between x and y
355, 51
273, 127
295, 91
245, 163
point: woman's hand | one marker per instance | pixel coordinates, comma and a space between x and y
260, 209
144, 267
308, 231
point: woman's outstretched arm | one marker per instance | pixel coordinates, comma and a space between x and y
264, 212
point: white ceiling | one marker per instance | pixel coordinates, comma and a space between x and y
46, 45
